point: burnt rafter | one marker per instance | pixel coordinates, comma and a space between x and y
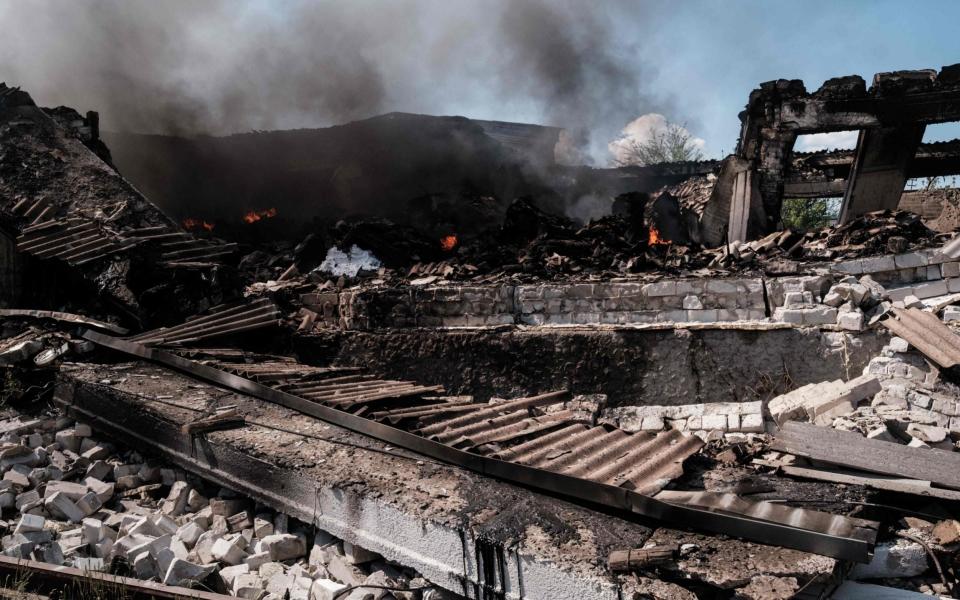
891, 116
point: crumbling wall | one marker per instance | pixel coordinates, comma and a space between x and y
611, 303
634, 367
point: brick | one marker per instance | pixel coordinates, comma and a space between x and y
751, 423
851, 321
714, 422
60, 506
73, 491
821, 315
651, 424
284, 546
910, 260
660, 288
931, 289
878, 264
229, 551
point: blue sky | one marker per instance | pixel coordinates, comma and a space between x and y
710, 54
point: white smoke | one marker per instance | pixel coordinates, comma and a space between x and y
641, 130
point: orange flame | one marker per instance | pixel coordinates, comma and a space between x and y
191, 223
448, 242
255, 215
655, 238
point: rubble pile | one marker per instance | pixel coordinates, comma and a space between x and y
71, 499
882, 232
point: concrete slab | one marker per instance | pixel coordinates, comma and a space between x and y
446, 523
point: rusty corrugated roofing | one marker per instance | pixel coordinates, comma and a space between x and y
220, 320
927, 333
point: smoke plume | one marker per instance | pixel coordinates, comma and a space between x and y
222, 66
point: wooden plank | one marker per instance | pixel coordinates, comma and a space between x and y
877, 482
852, 450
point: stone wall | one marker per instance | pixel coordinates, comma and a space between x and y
799, 300
687, 300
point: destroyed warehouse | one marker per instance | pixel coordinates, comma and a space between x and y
389, 359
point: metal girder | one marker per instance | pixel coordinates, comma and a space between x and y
821, 533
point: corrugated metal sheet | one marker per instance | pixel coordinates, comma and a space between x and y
78, 240
220, 320
927, 333
569, 448
74, 241
559, 441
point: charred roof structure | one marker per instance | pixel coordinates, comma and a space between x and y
891, 116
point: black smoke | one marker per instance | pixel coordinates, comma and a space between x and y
221, 66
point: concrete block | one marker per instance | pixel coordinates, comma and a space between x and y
931, 289
752, 423
927, 433
325, 589
68, 440
903, 559
950, 269
99, 470
182, 573
144, 566
229, 551
30, 523
660, 288
176, 501
284, 546
820, 315
230, 574
714, 422
60, 506
878, 264
73, 491
788, 315
189, 533
910, 260
647, 424
256, 560
262, 527
692, 302
851, 321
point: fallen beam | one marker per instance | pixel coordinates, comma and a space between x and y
850, 449
45, 578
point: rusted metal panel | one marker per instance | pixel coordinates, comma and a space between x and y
220, 320
927, 333
46, 578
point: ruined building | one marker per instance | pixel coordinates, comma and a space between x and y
288, 365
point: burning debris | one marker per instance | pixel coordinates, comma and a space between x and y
452, 385
253, 216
